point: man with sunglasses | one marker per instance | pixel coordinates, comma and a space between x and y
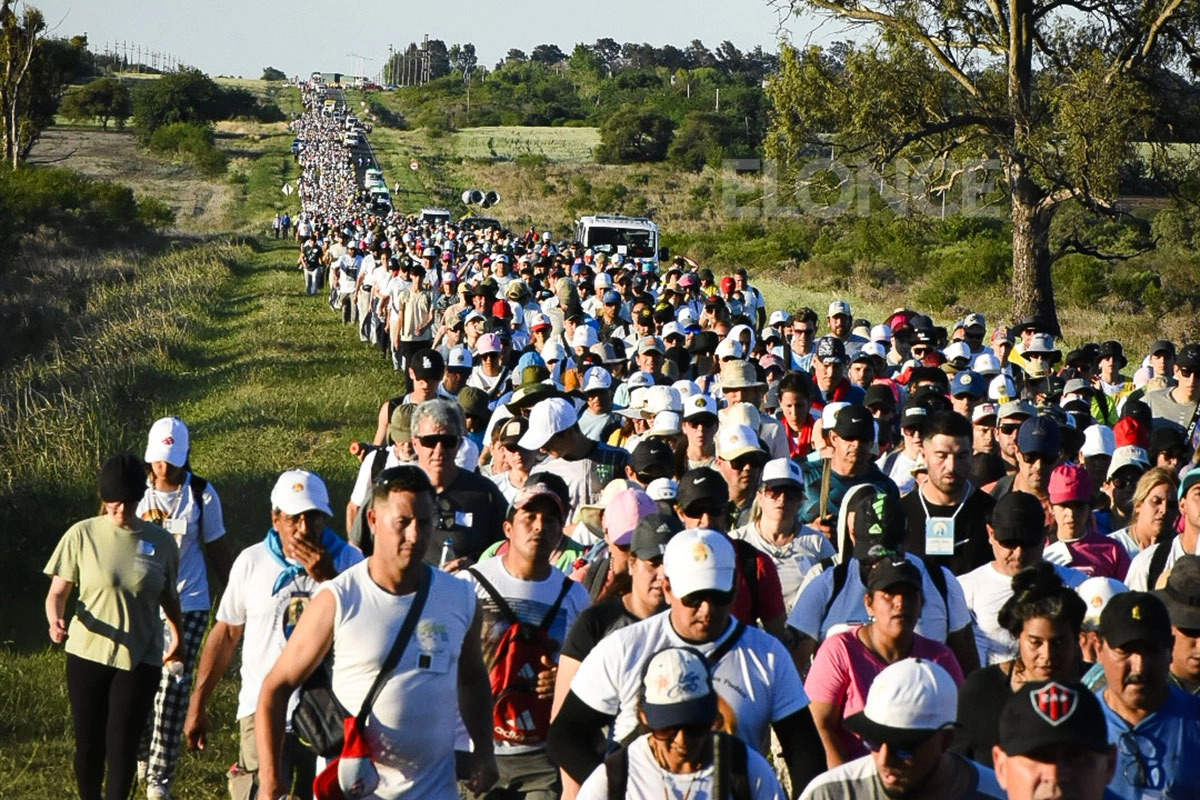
1155, 725
756, 684
908, 724
269, 586
470, 507
803, 340
680, 753
1037, 440
1178, 406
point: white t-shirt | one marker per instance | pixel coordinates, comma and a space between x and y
859, 779
410, 731
792, 561
900, 472
648, 781
986, 589
178, 512
847, 608
1127, 541
268, 619
756, 680
1139, 570
531, 602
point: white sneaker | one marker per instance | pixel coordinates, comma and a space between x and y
158, 791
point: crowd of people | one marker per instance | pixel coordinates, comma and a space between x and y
659, 539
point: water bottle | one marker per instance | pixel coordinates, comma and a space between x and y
175, 670
447, 551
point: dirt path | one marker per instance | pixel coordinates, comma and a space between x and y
198, 203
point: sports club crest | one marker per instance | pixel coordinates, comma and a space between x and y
1055, 703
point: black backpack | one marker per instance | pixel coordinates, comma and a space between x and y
748, 561
198, 485
730, 778
360, 533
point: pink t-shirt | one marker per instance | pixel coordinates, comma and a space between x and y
843, 670
1093, 554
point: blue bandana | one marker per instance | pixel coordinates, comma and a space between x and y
330, 543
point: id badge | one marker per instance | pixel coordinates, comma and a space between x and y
177, 528
939, 536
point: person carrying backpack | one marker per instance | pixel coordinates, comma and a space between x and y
528, 607
681, 755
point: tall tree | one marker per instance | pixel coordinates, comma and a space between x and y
548, 54
609, 52
1060, 92
462, 58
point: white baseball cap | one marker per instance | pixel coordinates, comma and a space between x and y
553, 351
881, 333
167, 441
1001, 389
779, 318
1098, 440
298, 491
782, 472
686, 388
459, 358
839, 308
596, 379
671, 329
1127, 455
584, 336
957, 351
730, 348
986, 364
546, 419
699, 560
686, 318
663, 398
699, 404
734, 441
829, 414
662, 490
1096, 592
666, 423
677, 689
908, 701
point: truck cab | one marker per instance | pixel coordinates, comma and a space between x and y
631, 237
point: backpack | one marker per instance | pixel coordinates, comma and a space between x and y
1158, 560
198, 485
842, 568
748, 562
519, 716
360, 533
730, 778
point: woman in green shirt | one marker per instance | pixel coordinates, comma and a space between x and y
125, 570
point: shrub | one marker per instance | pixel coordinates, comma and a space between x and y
634, 136
189, 142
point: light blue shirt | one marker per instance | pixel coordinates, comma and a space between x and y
1160, 756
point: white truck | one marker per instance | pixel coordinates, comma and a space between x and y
631, 237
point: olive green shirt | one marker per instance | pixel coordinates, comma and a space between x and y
120, 575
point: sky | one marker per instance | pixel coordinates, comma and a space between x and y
222, 37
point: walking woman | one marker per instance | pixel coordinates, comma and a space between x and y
125, 569
1045, 617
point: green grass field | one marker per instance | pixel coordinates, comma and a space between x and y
557, 145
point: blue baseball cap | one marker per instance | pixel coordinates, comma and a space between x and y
610, 298
1040, 435
967, 382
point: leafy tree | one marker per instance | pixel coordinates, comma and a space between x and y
103, 99
462, 58
634, 135
548, 54
702, 139
609, 53
698, 55
439, 59
638, 56
1060, 92
513, 56
184, 96
34, 74
272, 74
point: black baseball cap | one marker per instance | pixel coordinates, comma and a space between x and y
893, 571
914, 412
652, 457
1181, 595
701, 487
1051, 714
1019, 518
880, 396
1189, 356
1135, 617
428, 365
830, 350
854, 422
651, 534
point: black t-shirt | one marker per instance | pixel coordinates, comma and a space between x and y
980, 701
470, 511
971, 547
593, 624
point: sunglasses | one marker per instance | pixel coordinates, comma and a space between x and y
447, 440
710, 596
903, 754
694, 731
802, 332
1185, 372
919, 351
1009, 430
742, 462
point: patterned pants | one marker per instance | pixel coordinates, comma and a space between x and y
164, 729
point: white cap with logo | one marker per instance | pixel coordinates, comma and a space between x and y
167, 441
699, 560
298, 491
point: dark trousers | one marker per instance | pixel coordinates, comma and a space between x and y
109, 707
